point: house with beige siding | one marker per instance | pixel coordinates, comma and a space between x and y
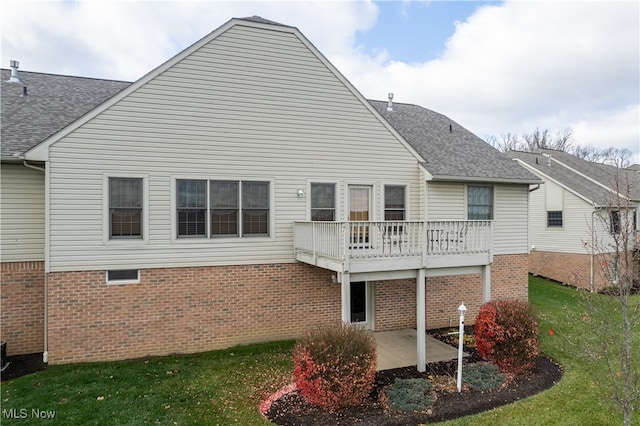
577, 215
245, 191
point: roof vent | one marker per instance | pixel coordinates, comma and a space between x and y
14, 72
390, 104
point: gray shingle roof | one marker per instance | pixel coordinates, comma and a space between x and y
55, 101
573, 174
52, 103
261, 20
451, 151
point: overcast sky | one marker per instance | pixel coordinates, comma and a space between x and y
494, 67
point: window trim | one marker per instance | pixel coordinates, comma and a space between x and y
493, 200
106, 207
222, 238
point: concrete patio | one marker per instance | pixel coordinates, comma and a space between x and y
398, 349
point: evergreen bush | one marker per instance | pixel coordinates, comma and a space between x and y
408, 395
483, 376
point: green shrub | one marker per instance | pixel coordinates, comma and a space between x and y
335, 366
507, 334
483, 376
407, 395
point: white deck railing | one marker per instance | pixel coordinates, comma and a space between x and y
369, 240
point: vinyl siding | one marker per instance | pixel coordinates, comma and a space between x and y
511, 216
21, 213
249, 105
447, 201
576, 220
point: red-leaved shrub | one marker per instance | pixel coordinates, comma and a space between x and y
507, 334
335, 366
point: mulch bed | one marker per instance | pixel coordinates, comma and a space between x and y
292, 409
20, 365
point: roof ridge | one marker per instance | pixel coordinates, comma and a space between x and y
261, 20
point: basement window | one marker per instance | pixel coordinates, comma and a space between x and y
123, 276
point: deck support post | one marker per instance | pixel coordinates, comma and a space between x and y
421, 326
486, 283
346, 298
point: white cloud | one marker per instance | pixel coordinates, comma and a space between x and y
510, 67
124, 40
521, 65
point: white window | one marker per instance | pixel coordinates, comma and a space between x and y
125, 207
554, 219
479, 202
614, 222
219, 208
323, 202
123, 276
394, 202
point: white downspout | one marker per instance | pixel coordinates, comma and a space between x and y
47, 260
592, 266
45, 352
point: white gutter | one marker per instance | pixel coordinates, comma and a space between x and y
31, 166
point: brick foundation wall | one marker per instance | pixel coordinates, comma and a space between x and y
395, 301
568, 268
510, 277
444, 295
395, 304
22, 307
184, 310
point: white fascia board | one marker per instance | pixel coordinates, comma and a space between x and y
427, 174
479, 179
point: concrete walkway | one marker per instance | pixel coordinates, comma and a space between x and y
398, 349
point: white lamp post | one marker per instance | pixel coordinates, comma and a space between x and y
462, 309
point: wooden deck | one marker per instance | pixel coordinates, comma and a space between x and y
360, 247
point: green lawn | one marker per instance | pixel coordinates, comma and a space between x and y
225, 387
577, 399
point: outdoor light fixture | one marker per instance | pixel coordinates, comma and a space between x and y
462, 310
300, 193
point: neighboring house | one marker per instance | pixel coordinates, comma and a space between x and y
245, 191
574, 214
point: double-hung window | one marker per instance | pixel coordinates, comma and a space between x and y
225, 206
323, 202
255, 208
479, 202
192, 208
125, 208
222, 208
394, 202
